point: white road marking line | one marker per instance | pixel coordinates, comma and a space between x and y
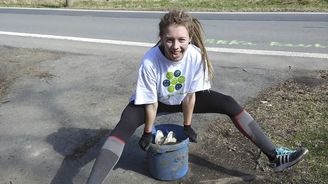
144, 44
80, 39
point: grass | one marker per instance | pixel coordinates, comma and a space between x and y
190, 5
33, 3
293, 114
299, 107
297, 116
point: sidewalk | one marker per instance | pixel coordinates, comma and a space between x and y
56, 115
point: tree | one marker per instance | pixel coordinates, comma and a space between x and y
69, 3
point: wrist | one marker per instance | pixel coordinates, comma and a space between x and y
148, 130
187, 124
147, 133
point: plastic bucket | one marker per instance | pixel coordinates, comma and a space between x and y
169, 162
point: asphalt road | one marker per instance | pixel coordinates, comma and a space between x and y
299, 32
45, 119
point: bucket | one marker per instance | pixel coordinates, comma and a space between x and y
169, 162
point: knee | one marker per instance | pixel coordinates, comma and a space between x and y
229, 99
233, 108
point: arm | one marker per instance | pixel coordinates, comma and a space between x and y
188, 105
150, 113
150, 110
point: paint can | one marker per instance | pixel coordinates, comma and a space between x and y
169, 162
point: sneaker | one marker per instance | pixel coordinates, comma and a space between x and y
286, 158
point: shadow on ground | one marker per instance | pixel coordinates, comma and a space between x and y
81, 146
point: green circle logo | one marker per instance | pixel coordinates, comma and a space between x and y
174, 81
169, 75
181, 79
170, 89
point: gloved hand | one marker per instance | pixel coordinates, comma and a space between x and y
145, 141
189, 132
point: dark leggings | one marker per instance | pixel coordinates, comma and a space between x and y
207, 101
133, 116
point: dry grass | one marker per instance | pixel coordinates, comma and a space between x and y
199, 5
34, 3
293, 113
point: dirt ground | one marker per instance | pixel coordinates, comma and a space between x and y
293, 113
21, 64
223, 151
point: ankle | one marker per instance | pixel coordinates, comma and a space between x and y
272, 155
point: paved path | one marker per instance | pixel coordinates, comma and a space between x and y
54, 117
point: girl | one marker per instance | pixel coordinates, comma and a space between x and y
174, 76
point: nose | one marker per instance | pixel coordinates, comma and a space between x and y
176, 45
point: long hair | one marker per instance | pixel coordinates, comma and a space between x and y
195, 30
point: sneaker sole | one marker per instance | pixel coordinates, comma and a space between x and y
284, 166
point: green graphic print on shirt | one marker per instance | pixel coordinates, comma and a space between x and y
174, 81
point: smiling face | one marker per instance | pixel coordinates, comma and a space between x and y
175, 42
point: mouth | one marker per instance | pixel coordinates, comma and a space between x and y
176, 54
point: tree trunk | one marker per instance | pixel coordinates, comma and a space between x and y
69, 3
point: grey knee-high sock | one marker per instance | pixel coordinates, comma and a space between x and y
251, 129
106, 160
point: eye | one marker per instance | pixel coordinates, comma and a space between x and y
169, 40
182, 40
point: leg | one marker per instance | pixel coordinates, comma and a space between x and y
280, 158
214, 102
132, 117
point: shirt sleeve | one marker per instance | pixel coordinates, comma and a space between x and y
200, 80
146, 90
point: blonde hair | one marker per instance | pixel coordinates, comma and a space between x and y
194, 28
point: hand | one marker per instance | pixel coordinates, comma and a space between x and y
189, 132
145, 141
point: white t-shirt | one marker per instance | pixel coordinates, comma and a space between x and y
169, 82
